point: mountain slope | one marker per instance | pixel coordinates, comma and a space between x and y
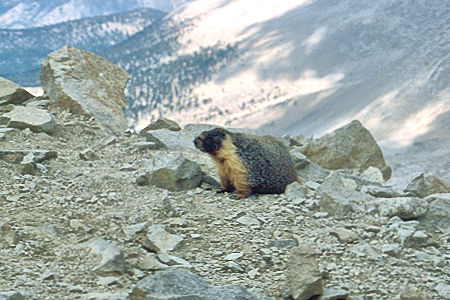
23, 50
297, 67
19, 14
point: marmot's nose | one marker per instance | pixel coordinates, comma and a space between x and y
198, 144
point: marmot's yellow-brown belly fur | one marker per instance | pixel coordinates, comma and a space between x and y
248, 163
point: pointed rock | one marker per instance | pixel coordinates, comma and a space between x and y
11, 93
86, 84
349, 147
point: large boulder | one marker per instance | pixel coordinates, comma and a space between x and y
349, 147
182, 284
86, 84
11, 93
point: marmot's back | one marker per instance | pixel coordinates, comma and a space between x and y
269, 165
248, 163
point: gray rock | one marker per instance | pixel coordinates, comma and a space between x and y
106, 296
174, 172
349, 147
407, 208
306, 169
11, 93
411, 293
391, 250
26, 157
162, 123
234, 267
86, 84
284, 244
373, 174
112, 260
303, 275
344, 235
159, 239
172, 260
438, 215
380, 191
333, 294
88, 154
234, 256
11, 295
294, 191
443, 290
417, 240
182, 284
150, 262
134, 229
152, 143
249, 221
10, 236
422, 186
37, 120
337, 196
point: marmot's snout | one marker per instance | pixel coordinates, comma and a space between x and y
199, 144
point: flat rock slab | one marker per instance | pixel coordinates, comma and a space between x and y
182, 284
11, 93
86, 84
37, 120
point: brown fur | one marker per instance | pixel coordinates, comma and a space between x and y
231, 171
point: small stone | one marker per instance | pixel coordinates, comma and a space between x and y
412, 293
88, 155
134, 229
407, 208
172, 260
233, 267
162, 123
150, 262
11, 295
38, 120
344, 235
106, 296
174, 172
284, 244
373, 174
159, 240
443, 290
252, 274
391, 250
9, 235
334, 294
234, 256
303, 275
422, 186
128, 167
294, 191
249, 221
112, 259
78, 225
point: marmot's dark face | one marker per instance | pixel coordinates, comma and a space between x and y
210, 141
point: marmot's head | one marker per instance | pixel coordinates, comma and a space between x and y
210, 141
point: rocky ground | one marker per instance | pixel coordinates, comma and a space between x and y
77, 225
87, 214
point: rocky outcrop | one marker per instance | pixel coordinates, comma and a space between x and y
349, 147
86, 84
11, 93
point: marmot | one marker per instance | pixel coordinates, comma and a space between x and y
248, 163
